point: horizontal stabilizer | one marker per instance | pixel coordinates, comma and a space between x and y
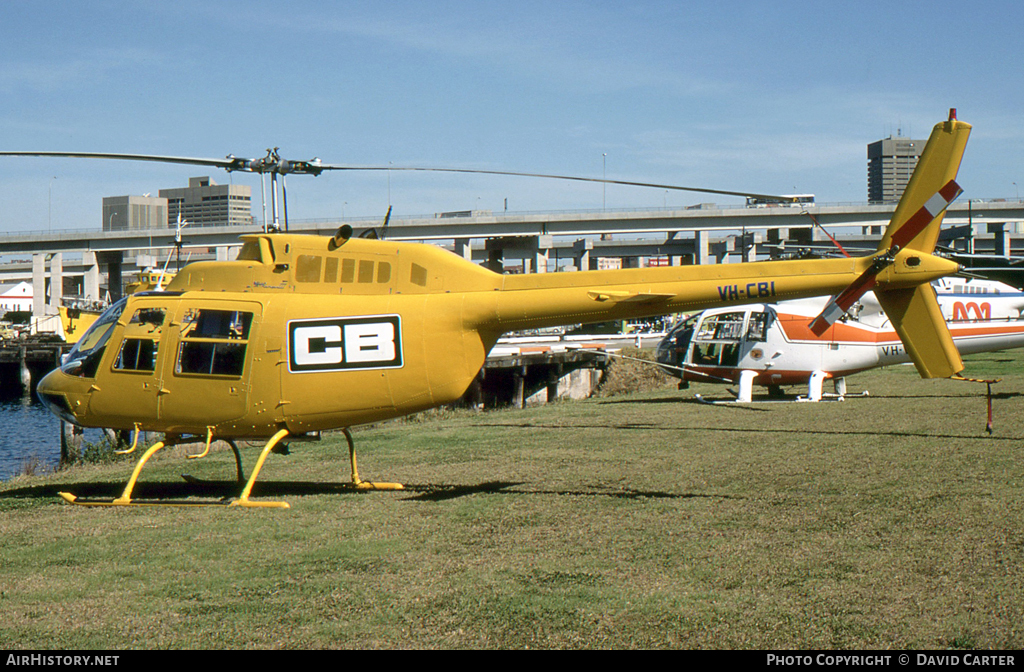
918, 320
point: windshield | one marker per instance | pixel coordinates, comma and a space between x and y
672, 349
84, 358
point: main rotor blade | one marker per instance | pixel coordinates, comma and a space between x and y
273, 163
227, 164
628, 183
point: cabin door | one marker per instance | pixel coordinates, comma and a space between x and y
207, 374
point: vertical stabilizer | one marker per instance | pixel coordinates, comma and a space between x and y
918, 217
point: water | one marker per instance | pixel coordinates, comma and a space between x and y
29, 434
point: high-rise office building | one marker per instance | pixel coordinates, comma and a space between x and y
206, 203
891, 162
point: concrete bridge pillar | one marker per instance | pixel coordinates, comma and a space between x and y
113, 260
496, 259
56, 281
581, 250
38, 284
1001, 244
746, 246
91, 278
464, 249
720, 250
777, 238
701, 253
541, 253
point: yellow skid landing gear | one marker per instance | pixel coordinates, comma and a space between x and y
243, 500
358, 483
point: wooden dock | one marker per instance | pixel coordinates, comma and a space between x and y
24, 362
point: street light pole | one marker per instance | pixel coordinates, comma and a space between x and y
49, 206
604, 176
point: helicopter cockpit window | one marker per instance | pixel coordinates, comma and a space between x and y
137, 354
715, 354
213, 342
757, 328
141, 341
250, 251
718, 340
84, 358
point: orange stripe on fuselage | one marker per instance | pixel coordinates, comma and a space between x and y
797, 328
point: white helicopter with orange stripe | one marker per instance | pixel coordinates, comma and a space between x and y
774, 345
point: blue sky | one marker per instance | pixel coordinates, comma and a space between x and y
766, 97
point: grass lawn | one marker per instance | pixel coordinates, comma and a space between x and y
634, 520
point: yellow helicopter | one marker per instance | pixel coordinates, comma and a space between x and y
302, 333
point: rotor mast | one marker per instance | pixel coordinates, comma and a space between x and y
273, 164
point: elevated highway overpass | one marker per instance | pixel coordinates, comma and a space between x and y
533, 241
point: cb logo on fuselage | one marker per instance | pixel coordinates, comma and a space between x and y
343, 343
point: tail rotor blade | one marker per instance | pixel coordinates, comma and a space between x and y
925, 215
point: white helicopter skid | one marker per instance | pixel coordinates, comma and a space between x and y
815, 393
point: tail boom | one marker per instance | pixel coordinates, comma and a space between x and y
551, 299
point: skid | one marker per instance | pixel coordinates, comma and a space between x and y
72, 499
242, 501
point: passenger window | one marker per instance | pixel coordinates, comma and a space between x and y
204, 323
365, 271
214, 359
213, 342
383, 272
331, 270
348, 270
307, 268
418, 276
758, 327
